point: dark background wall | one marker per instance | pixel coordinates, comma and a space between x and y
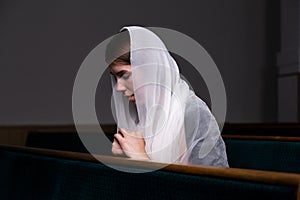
43, 43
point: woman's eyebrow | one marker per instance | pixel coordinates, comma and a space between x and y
120, 73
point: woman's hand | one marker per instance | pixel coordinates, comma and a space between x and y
131, 143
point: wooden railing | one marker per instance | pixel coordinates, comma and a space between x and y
240, 175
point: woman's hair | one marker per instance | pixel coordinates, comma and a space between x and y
118, 49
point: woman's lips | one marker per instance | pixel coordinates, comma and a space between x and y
131, 98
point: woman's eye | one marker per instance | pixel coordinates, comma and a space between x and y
126, 76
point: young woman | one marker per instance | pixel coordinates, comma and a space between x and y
159, 118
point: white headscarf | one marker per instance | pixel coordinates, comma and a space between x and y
167, 112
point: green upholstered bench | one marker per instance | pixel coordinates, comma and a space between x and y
29, 173
264, 153
250, 152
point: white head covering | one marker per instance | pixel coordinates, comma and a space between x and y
167, 112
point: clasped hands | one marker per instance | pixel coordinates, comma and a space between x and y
129, 143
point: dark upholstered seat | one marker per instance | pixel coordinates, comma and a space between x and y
32, 176
269, 155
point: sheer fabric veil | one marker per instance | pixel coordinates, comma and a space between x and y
176, 124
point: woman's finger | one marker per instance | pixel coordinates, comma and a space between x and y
116, 144
126, 133
116, 148
123, 132
120, 139
117, 152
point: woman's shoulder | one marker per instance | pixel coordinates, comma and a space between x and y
197, 113
196, 104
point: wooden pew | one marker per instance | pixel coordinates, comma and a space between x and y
273, 153
31, 173
262, 129
17, 134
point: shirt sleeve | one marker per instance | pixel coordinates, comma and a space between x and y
207, 146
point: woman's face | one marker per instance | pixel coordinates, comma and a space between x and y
123, 77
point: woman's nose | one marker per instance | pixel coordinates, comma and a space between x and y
120, 87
